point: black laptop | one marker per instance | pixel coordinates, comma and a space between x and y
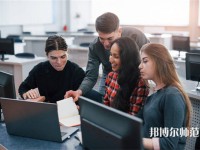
104, 127
36, 120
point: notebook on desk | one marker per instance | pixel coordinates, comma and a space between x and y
34, 120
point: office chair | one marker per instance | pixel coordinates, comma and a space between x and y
16, 38
82, 30
85, 31
86, 44
51, 32
26, 33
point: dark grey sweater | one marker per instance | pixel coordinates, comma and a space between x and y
165, 108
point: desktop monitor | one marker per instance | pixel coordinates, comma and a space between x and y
181, 43
104, 127
6, 47
7, 86
192, 65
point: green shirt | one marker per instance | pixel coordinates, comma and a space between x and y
165, 109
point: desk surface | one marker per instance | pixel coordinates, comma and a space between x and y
195, 45
188, 85
64, 34
13, 60
12, 142
175, 53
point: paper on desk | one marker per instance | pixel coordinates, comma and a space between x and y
68, 113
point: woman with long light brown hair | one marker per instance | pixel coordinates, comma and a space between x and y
166, 113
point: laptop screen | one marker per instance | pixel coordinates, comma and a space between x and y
106, 128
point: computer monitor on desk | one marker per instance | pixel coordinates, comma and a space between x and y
180, 43
192, 68
6, 47
104, 127
7, 86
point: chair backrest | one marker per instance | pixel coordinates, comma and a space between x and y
26, 33
85, 44
51, 32
195, 122
16, 38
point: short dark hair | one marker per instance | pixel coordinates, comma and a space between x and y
55, 42
107, 23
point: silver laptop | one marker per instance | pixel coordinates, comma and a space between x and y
34, 120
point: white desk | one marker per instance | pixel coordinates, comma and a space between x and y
175, 54
165, 39
19, 67
19, 47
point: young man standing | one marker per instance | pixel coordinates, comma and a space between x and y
108, 29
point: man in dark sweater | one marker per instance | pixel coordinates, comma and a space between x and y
48, 81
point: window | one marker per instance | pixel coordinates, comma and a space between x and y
145, 12
26, 12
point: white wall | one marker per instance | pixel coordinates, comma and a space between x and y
5, 30
60, 18
80, 14
75, 14
18, 12
60, 15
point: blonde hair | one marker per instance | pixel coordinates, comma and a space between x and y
166, 71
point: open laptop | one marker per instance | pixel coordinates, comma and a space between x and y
36, 120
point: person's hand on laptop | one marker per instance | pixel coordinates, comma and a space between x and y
32, 94
74, 94
39, 99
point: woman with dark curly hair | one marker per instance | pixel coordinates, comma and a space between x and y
125, 90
